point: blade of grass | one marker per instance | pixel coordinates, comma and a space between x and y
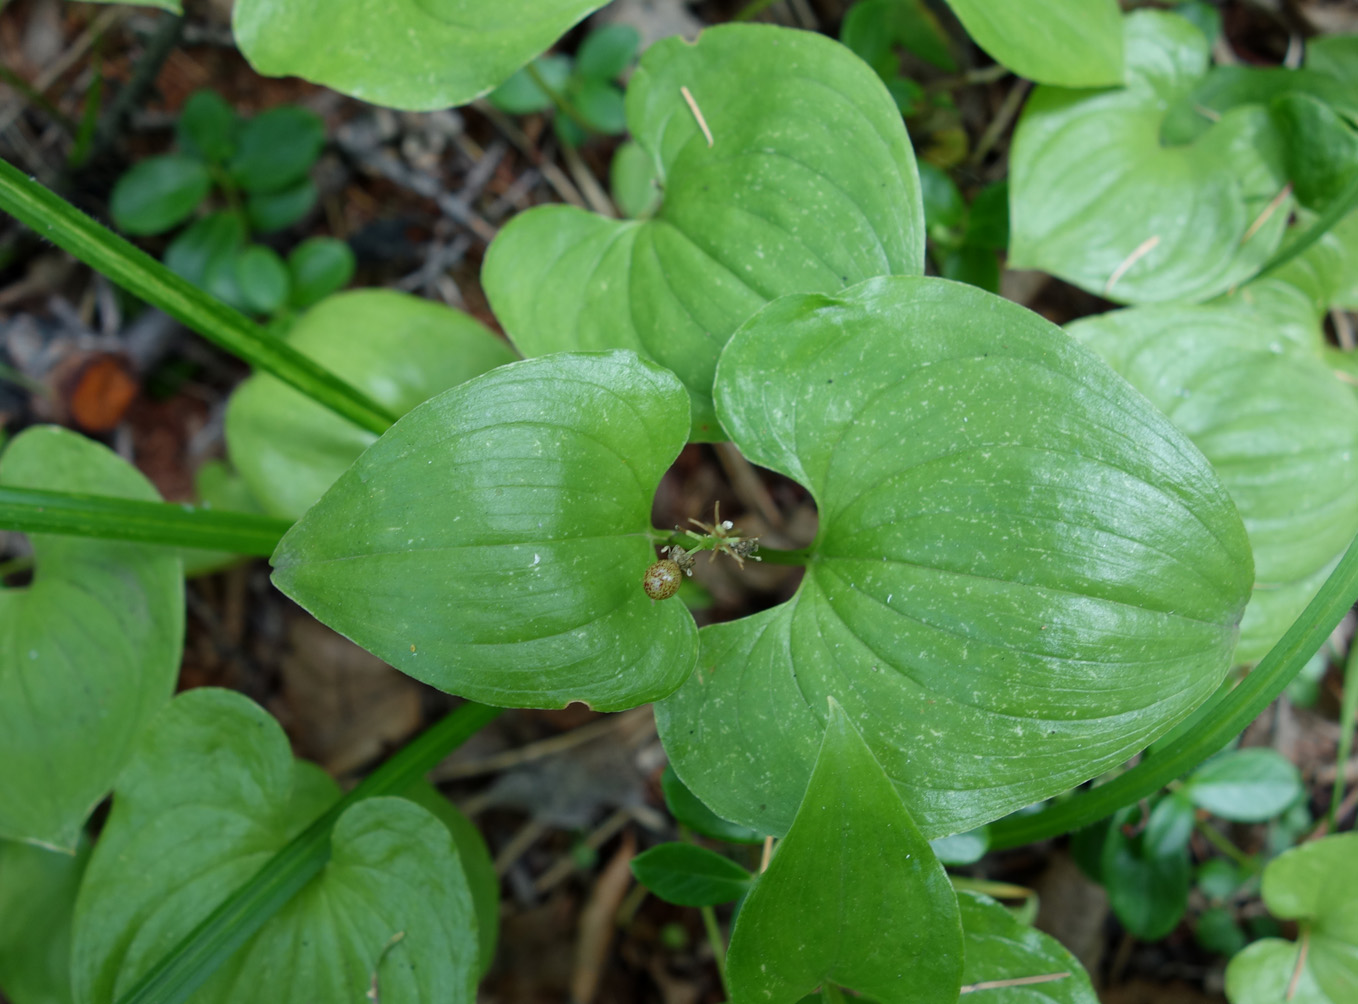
57, 220
1342, 205
189, 964
33, 511
1227, 720
1348, 712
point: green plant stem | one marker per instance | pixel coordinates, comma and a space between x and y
1224, 844
1235, 711
189, 964
753, 9
1348, 713
1346, 201
718, 946
141, 275
31, 510
562, 103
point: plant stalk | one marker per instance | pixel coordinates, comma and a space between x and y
141, 275
189, 964
32, 510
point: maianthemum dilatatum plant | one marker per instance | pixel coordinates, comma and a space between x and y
1039, 551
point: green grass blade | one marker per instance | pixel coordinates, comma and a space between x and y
57, 220
188, 965
110, 518
1235, 711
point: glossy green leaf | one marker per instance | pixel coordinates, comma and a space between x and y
400, 349
270, 211
1000, 949
1322, 148
89, 650
1072, 43
319, 266
772, 206
1030, 601
207, 127
687, 809
159, 193
600, 104
522, 95
205, 245
1245, 786
37, 895
853, 895
474, 856
1147, 884
1170, 824
961, 848
1317, 885
275, 149
975, 266
212, 793
1280, 430
687, 875
1224, 88
413, 54
493, 542
263, 278
872, 27
632, 177
1096, 199
607, 52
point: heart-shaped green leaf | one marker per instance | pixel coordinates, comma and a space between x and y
414, 54
853, 895
88, 651
1073, 43
397, 348
1281, 432
785, 168
493, 542
1317, 885
1097, 200
212, 794
37, 895
1000, 950
1024, 573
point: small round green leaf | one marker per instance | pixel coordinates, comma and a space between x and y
1000, 949
1245, 786
204, 245
37, 896
1280, 430
632, 176
1070, 43
207, 127
212, 794
319, 266
600, 104
493, 542
1317, 884
270, 211
275, 149
1097, 200
159, 193
607, 52
687, 875
413, 54
1024, 573
687, 809
263, 278
808, 184
89, 650
521, 94
398, 348
853, 895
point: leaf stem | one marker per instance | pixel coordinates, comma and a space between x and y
1235, 711
1348, 712
1226, 846
107, 517
562, 103
141, 275
189, 964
